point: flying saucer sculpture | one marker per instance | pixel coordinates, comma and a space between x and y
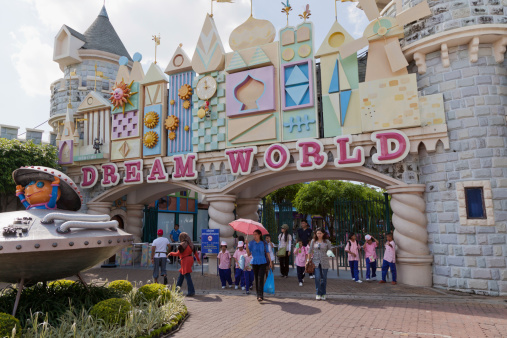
51, 240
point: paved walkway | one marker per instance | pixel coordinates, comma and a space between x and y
352, 310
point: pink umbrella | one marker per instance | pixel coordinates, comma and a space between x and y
247, 226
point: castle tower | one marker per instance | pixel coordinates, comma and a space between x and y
459, 51
93, 56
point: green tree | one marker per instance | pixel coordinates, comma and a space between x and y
15, 154
286, 194
318, 198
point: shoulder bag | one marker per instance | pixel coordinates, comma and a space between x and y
310, 266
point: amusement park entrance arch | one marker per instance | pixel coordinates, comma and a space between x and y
231, 196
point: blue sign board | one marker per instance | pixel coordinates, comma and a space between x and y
210, 241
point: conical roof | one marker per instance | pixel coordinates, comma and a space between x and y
102, 36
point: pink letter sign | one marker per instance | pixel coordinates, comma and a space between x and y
311, 154
110, 176
133, 172
344, 159
157, 172
283, 157
385, 141
90, 177
185, 171
241, 160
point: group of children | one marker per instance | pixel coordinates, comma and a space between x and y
244, 275
370, 252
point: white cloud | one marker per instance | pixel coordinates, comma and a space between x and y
358, 19
31, 61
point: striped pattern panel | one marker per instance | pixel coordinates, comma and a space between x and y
182, 144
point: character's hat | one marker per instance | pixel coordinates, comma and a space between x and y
70, 198
223, 243
367, 237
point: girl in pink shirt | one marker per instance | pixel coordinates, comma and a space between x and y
224, 265
352, 248
389, 260
370, 252
238, 272
300, 253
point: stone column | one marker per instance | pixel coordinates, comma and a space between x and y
134, 222
99, 208
221, 213
248, 208
413, 259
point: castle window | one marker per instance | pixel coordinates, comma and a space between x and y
475, 203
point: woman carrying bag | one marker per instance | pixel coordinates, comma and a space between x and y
318, 254
258, 249
284, 250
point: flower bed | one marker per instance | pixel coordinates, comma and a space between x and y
150, 311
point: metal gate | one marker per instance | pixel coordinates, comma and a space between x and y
362, 217
150, 224
274, 215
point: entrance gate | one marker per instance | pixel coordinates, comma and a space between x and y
362, 217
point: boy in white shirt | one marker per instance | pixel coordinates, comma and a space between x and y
159, 249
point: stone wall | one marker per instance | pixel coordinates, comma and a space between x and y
59, 95
454, 14
467, 258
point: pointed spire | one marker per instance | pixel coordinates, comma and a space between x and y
103, 12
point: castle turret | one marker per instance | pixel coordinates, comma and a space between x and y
93, 56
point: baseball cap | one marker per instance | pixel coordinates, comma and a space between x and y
368, 237
160, 232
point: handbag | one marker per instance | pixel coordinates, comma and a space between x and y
281, 252
269, 286
310, 266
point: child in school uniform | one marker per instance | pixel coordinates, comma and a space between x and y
224, 265
370, 252
389, 260
352, 248
248, 273
238, 274
300, 252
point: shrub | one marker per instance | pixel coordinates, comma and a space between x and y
54, 300
112, 311
62, 283
123, 286
7, 323
150, 292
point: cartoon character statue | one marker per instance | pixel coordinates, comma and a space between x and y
46, 188
39, 194
96, 145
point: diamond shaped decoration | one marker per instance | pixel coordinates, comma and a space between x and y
124, 149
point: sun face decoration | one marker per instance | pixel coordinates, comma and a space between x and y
185, 92
172, 122
121, 95
150, 139
151, 120
186, 104
172, 135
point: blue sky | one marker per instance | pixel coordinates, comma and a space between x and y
28, 28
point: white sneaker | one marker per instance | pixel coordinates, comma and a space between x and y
223, 287
353, 279
243, 288
318, 297
300, 284
312, 277
323, 297
359, 281
235, 287
230, 286
367, 279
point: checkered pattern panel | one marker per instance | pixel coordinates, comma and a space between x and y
125, 125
